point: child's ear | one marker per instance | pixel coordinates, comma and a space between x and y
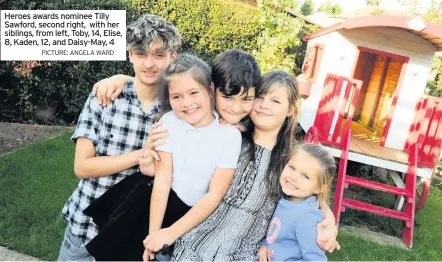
173, 55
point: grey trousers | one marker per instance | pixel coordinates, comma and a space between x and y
73, 248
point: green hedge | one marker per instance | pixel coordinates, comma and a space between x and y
208, 27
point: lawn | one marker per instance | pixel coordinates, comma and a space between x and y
36, 181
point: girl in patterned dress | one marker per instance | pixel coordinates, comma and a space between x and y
234, 230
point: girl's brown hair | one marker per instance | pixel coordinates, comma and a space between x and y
185, 63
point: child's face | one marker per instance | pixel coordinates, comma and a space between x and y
270, 110
300, 177
189, 100
149, 65
234, 108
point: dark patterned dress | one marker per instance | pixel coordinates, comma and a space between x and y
234, 230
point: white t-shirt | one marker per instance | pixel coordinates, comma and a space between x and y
196, 153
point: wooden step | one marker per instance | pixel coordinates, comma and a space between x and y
358, 205
377, 186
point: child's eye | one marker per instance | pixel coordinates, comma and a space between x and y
175, 97
194, 93
160, 55
248, 99
276, 101
292, 168
305, 176
227, 97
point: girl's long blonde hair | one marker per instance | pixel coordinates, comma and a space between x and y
327, 164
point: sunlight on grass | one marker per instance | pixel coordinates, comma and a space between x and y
36, 181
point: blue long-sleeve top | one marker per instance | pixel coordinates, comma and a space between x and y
292, 233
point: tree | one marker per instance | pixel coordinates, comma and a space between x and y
434, 14
336, 9
279, 37
328, 8
375, 3
307, 7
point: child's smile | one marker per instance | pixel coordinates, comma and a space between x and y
190, 101
300, 177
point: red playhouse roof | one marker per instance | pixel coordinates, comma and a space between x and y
429, 31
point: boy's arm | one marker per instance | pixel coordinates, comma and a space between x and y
305, 232
87, 165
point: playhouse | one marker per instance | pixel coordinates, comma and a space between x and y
363, 85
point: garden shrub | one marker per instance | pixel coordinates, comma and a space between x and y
208, 27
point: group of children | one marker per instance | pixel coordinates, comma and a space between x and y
122, 213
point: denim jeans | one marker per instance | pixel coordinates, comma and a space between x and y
73, 248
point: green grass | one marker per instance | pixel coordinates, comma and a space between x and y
36, 181
427, 239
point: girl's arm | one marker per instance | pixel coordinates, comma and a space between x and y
204, 207
160, 192
327, 230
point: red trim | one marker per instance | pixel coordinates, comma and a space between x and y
323, 31
317, 63
355, 64
304, 87
379, 21
382, 53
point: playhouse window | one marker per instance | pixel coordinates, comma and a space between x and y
310, 68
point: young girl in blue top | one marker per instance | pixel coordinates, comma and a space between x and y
304, 181
196, 166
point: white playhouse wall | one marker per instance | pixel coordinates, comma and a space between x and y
339, 57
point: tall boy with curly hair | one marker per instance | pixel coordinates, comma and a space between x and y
109, 139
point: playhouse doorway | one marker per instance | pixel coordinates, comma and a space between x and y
380, 73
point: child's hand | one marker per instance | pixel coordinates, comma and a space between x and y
156, 138
264, 254
327, 234
146, 162
108, 89
148, 255
240, 126
155, 241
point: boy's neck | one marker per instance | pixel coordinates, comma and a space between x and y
264, 138
147, 94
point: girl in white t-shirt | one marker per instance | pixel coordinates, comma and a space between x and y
196, 167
